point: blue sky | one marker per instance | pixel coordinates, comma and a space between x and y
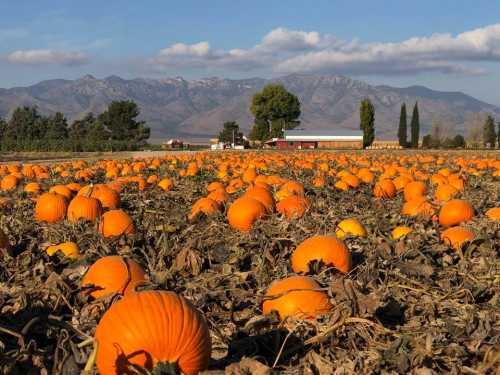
451, 45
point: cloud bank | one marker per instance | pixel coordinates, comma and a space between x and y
47, 56
293, 51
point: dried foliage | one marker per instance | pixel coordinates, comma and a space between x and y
408, 306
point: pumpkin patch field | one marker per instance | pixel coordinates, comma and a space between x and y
252, 263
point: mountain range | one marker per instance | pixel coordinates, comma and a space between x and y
175, 107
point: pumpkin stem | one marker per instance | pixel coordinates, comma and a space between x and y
166, 368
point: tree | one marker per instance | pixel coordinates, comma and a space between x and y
57, 127
415, 126
489, 136
231, 133
25, 127
459, 141
120, 120
427, 141
474, 124
275, 108
367, 121
498, 134
260, 131
402, 129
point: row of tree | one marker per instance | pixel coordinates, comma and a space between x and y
115, 129
414, 127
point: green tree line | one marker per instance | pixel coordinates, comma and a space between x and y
115, 129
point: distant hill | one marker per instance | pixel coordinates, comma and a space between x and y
197, 108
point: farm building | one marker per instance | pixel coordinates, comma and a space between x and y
310, 139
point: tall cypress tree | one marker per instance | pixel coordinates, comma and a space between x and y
402, 129
498, 134
415, 126
367, 121
489, 132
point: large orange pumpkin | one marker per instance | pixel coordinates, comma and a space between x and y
243, 212
115, 223
84, 208
297, 296
50, 207
328, 249
63, 190
455, 212
113, 274
153, 329
445, 192
9, 182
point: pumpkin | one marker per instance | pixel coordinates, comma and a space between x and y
400, 231
69, 249
418, 207
493, 213
414, 190
216, 185
342, 185
243, 213
445, 192
50, 207
84, 208
384, 189
115, 223
166, 184
456, 237
293, 206
328, 249
113, 274
74, 186
204, 205
219, 196
296, 296
63, 190
262, 195
32, 188
454, 212
9, 182
157, 330
350, 227
108, 197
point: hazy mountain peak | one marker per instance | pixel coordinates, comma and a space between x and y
176, 106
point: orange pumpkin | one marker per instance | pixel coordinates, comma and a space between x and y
153, 329
204, 205
113, 274
493, 213
328, 249
166, 184
350, 227
50, 207
296, 296
262, 195
69, 249
115, 223
455, 212
456, 237
84, 208
400, 232
384, 189
445, 192
9, 182
63, 190
418, 207
32, 188
219, 196
414, 190
108, 197
293, 206
243, 212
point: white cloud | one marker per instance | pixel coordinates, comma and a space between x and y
47, 56
289, 51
